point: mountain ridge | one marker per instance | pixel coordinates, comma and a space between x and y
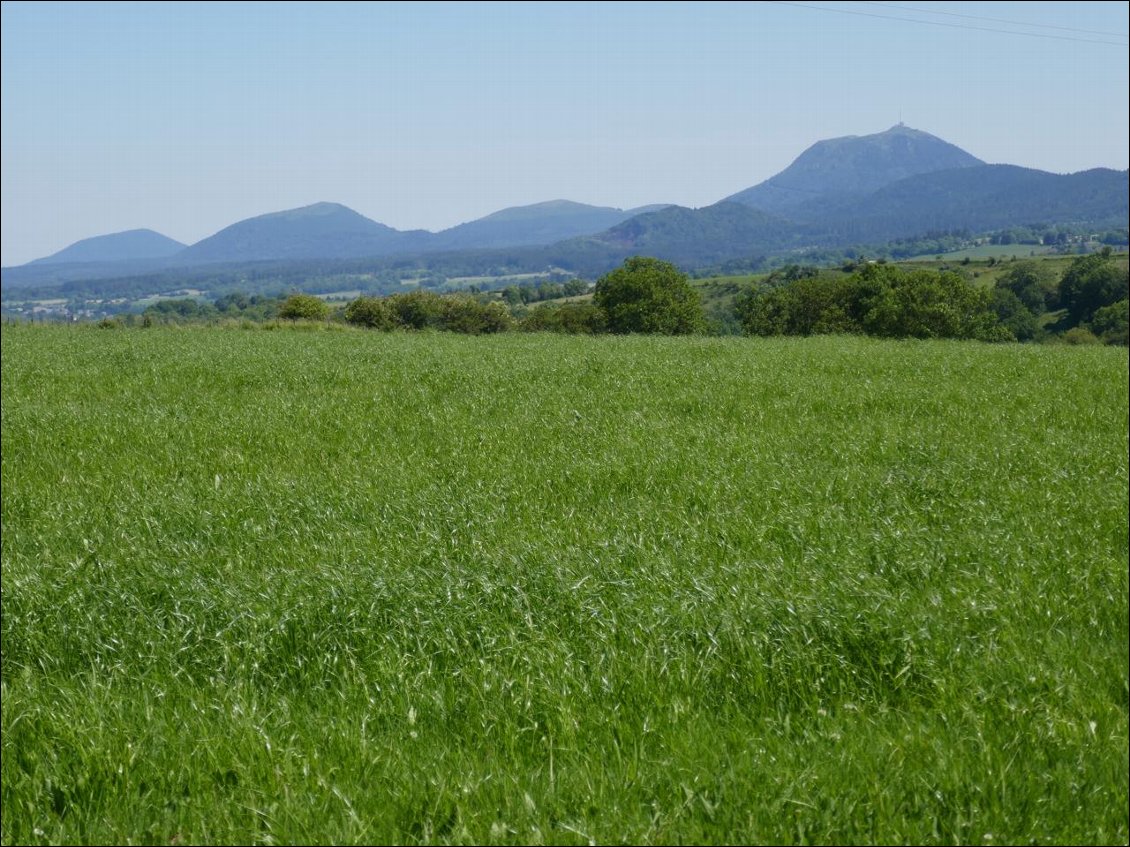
854, 165
915, 195
534, 224
317, 231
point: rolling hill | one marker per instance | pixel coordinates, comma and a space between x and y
540, 223
128, 246
700, 236
977, 199
319, 231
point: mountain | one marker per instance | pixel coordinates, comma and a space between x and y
540, 223
320, 231
854, 165
976, 199
126, 246
700, 236
844, 192
333, 231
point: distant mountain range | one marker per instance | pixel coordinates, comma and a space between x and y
974, 199
541, 223
978, 199
699, 236
320, 231
840, 192
119, 247
873, 189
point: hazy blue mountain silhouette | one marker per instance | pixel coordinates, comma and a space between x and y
699, 236
333, 231
977, 199
840, 192
131, 245
319, 231
854, 165
539, 223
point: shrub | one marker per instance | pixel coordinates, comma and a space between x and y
417, 309
372, 313
467, 315
1112, 323
1014, 315
1079, 335
879, 300
1090, 283
572, 318
303, 307
924, 304
428, 310
811, 305
1033, 283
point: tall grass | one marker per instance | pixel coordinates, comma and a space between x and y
356, 587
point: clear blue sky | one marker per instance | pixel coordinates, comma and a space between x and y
187, 117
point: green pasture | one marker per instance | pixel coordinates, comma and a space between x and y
350, 587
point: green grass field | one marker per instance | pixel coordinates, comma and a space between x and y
294, 587
986, 251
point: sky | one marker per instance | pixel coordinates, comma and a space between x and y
187, 117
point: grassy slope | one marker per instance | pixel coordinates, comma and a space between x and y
986, 251
985, 274
280, 586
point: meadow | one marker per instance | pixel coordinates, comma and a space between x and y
341, 586
992, 251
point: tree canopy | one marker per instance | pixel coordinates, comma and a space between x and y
304, 307
880, 300
647, 295
1089, 284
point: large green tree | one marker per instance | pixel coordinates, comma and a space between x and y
647, 295
1090, 283
1014, 315
1112, 323
1033, 283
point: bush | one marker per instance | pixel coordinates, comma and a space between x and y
1014, 315
428, 310
468, 315
572, 318
184, 309
923, 304
417, 309
648, 295
1090, 283
878, 300
1079, 335
303, 307
811, 305
1033, 283
372, 313
1112, 323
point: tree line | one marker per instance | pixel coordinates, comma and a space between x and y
1087, 303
